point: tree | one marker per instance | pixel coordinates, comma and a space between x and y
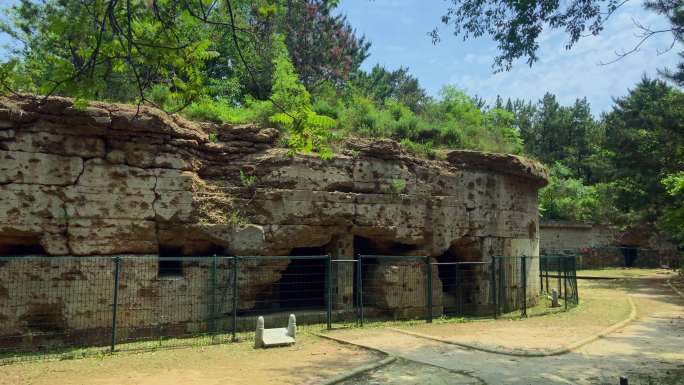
516, 26
645, 137
108, 49
568, 198
123, 49
674, 11
545, 137
672, 219
307, 131
381, 85
324, 47
569, 134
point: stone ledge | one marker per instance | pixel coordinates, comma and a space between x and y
500, 163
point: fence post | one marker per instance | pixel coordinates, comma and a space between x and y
429, 289
523, 276
115, 305
235, 297
574, 279
502, 285
541, 278
565, 284
213, 297
560, 268
328, 291
359, 283
494, 283
546, 273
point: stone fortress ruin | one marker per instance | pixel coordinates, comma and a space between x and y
110, 179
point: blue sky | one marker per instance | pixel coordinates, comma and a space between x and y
398, 32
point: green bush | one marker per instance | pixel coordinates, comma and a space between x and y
420, 149
398, 186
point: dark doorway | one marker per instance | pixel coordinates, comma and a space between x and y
630, 254
302, 283
170, 264
25, 245
385, 274
461, 271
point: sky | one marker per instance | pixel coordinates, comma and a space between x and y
398, 31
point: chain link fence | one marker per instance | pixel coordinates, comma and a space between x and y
57, 306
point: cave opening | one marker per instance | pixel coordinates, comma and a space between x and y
373, 246
461, 271
369, 247
174, 257
21, 246
302, 284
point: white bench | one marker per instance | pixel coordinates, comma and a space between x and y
266, 338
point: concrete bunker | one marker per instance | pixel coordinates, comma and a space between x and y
146, 184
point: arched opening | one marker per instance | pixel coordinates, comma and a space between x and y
464, 277
301, 284
373, 246
392, 286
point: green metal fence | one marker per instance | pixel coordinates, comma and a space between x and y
86, 305
559, 273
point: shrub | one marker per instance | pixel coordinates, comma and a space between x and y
247, 180
420, 149
398, 186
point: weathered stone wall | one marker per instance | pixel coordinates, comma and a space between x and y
601, 245
560, 237
112, 179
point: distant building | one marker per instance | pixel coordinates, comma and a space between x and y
604, 245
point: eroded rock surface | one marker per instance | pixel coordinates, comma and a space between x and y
112, 179
109, 179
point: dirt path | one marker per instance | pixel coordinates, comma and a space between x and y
604, 303
309, 361
650, 350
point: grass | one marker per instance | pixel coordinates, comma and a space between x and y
64, 353
310, 360
624, 272
602, 304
